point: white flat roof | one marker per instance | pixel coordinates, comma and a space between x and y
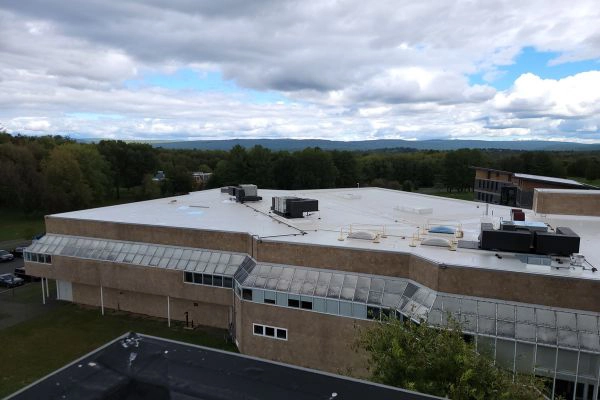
399, 214
571, 191
548, 179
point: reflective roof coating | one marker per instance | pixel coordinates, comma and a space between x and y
143, 254
403, 295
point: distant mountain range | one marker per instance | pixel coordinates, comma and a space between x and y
438, 144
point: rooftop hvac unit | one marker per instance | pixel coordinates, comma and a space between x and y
243, 193
502, 240
563, 243
293, 207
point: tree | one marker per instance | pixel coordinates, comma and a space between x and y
22, 184
66, 188
457, 172
440, 362
129, 162
95, 169
314, 169
347, 167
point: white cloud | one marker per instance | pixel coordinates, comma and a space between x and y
576, 96
348, 71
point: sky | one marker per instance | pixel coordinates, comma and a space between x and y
338, 70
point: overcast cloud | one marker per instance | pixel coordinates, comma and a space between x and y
344, 70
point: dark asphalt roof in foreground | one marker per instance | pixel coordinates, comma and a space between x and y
144, 367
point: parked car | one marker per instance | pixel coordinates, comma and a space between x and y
10, 281
20, 272
18, 251
6, 256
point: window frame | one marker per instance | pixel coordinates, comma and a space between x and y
278, 333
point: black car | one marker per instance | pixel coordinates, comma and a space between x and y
10, 281
20, 272
18, 251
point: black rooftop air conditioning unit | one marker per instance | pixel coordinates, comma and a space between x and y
562, 243
501, 240
293, 207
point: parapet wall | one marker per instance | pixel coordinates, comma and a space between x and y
468, 281
567, 202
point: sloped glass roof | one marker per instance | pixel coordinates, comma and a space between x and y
480, 316
401, 294
519, 321
143, 254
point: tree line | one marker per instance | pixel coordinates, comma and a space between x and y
55, 173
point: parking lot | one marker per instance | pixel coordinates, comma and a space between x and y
24, 302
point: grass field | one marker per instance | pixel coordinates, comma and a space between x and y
32, 349
595, 182
17, 225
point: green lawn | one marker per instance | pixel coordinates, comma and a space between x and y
39, 346
595, 182
17, 225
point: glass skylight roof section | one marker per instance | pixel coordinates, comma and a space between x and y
201, 267
143, 254
588, 323
260, 282
546, 317
377, 285
375, 298
335, 286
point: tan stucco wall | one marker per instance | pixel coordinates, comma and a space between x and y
579, 294
157, 281
567, 202
351, 260
469, 281
315, 340
207, 314
216, 240
505, 285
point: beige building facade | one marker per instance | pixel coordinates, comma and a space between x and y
300, 291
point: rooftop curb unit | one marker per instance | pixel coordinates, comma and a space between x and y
520, 237
242, 193
293, 207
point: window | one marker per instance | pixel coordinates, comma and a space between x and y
282, 334
269, 331
198, 278
247, 294
269, 301
39, 258
306, 305
208, 279
293, 303
373, 313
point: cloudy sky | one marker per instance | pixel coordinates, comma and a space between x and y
344, 70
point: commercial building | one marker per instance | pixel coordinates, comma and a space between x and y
515, 189
298, 290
